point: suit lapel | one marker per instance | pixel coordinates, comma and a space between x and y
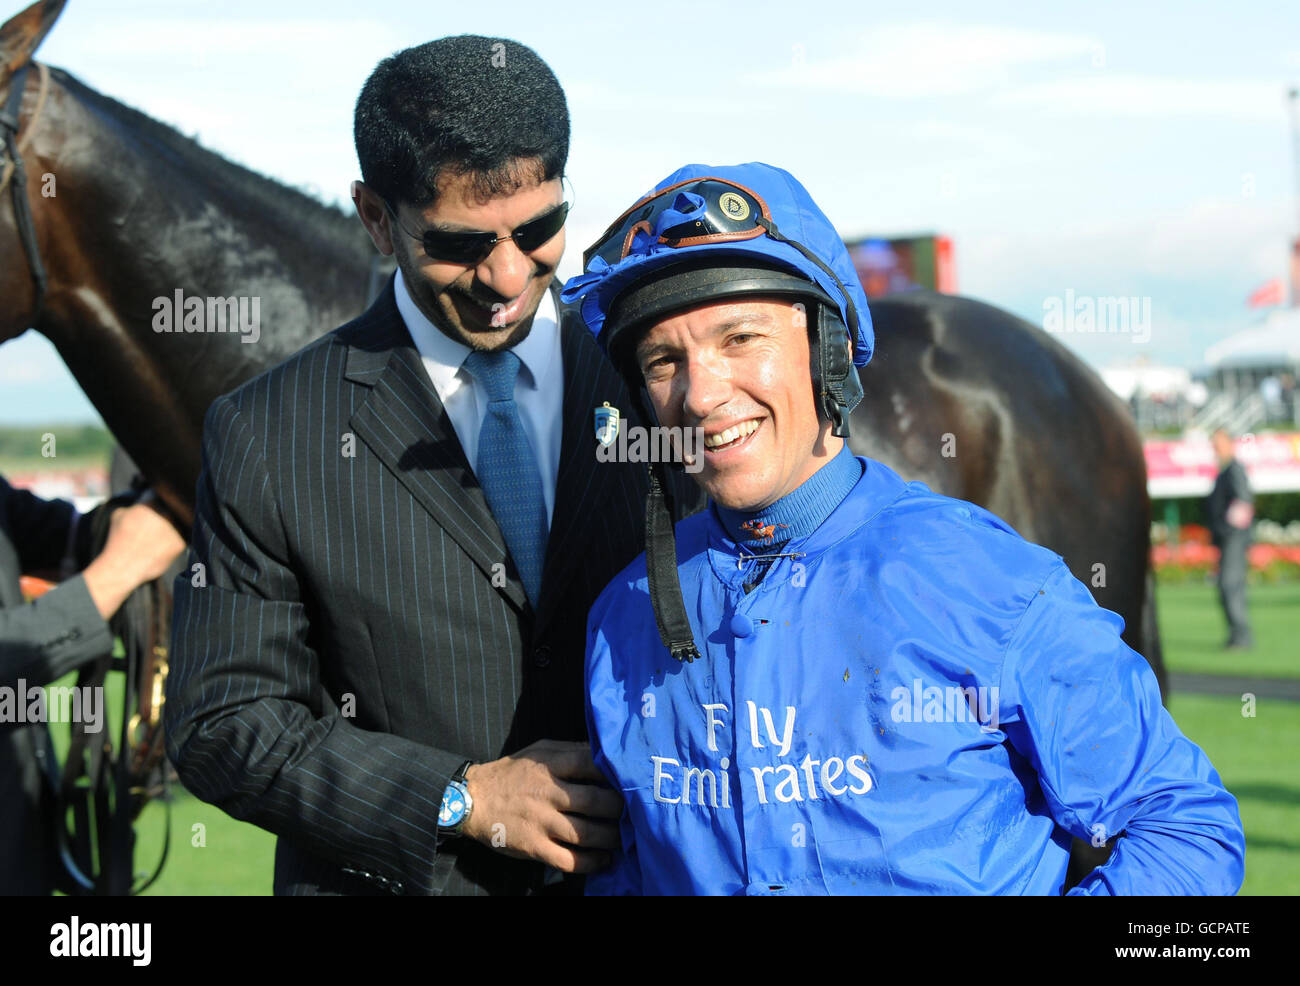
582, 483
403, 422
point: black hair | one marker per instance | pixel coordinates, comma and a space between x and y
489, 108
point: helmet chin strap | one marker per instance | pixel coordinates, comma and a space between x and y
661, 549
837, 382
835, 379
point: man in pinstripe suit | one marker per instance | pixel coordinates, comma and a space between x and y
357, 626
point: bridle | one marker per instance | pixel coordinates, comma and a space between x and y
14, 170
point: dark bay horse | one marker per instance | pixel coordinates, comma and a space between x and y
140, 212
978, 404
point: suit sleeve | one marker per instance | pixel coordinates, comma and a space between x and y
43, 640
622, 877
1085, 710
249, 725
1239, 484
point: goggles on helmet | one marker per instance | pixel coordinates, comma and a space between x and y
699, 211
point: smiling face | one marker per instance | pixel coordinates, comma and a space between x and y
488, 305
741, 371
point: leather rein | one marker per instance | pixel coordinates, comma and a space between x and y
13, 170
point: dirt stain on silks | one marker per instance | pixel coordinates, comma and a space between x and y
875, 701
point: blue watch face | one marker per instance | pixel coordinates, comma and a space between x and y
453, 805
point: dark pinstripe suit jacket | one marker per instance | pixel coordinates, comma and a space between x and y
349, 649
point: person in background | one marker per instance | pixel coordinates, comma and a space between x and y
1231, 508
44, 639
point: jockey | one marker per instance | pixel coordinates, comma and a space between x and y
831, 680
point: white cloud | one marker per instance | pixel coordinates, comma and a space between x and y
1213, 232
988, 144
206, 41
1153, 96
1198, 244
929, 58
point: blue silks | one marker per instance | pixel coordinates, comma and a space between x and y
923, 703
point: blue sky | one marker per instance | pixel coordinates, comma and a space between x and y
1111, 149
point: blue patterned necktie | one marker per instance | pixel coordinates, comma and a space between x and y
507, 468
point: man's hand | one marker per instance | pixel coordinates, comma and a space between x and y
141, 544
547, 802
1239, 514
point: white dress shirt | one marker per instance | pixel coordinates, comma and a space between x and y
539, 388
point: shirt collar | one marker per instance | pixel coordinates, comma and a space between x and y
443, 355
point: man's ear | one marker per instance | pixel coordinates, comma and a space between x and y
374, 217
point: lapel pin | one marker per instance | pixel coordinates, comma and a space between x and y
607, 421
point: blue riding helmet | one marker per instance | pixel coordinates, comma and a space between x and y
704, 234
707, 233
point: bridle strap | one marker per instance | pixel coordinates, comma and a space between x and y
15, 172
11, 109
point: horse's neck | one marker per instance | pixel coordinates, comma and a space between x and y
149, 223
138, 217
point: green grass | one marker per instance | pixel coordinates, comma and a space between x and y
77, 446
210, 852
60, 463
235, 859
1255, 760
1254, 756
1192, 630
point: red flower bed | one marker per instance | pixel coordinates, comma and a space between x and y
1194, 558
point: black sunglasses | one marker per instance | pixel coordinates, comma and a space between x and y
473, 248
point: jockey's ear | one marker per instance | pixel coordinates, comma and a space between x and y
23, 33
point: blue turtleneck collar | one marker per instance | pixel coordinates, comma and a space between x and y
803, 509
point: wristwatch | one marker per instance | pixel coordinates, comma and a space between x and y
456, 803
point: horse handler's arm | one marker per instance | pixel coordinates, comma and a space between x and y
1084, 709
249, 725
42, 640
